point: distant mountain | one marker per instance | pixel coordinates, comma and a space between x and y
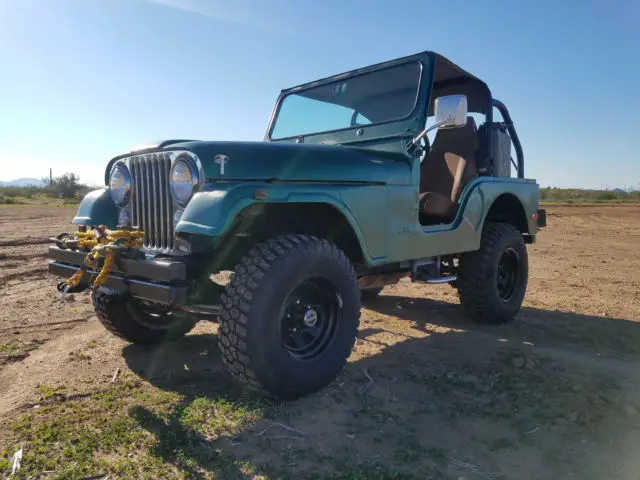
23, 182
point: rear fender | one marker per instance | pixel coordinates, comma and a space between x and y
509, 200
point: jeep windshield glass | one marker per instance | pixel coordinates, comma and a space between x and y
374, 97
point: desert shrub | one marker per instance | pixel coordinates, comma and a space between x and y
7, 200
67, 186
575, 195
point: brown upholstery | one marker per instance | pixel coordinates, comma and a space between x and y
437, 204
445, 171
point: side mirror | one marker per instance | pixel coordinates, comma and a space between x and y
451, 111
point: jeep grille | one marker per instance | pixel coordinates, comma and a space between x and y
152, 205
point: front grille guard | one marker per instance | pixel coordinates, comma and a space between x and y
152, 207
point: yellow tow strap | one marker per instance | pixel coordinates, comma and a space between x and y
102, 243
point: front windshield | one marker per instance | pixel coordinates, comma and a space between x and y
375, 97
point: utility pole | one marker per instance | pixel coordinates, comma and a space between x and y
51, 177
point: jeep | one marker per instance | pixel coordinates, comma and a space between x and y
281, 240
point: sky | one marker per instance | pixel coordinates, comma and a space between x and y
84, 80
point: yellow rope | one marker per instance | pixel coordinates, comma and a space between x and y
101, 242
105, 270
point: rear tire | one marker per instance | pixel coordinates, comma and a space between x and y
492, 281
131, 320
290, 316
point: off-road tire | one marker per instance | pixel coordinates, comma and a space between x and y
369, 294
478, 276
126, 318
251, 327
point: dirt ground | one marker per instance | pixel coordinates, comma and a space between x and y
426, 394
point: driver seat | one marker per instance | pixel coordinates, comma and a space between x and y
448, 167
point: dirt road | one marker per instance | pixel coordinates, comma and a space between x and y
427, 393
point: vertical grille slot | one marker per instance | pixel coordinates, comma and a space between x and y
151, 204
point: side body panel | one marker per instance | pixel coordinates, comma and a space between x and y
383, 217
408, 240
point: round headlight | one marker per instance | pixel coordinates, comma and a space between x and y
184, 179
120, 184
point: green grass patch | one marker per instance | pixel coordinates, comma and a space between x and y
8, 348
14, 351
79, 356
130, 430
408, 450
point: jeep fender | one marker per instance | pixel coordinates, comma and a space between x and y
213, 212
97, 208
506, 200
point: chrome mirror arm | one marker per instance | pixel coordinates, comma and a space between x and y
421, 135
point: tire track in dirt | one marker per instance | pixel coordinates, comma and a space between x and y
24, 241
18, 275
22, 256
48, 324
50, 364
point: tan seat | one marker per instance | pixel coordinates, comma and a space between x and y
445, 171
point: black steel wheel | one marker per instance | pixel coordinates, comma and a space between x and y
492, 281
290, 316
136, 322
508, 274
309, 319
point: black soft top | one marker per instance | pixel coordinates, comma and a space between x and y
448, 78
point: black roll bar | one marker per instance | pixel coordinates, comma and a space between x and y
512, 133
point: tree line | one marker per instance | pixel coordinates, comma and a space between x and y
576, 195
66, 187
69, 188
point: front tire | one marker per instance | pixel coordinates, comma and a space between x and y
290, 316
492, 281
131, 320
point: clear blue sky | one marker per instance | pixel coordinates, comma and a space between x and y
83, 80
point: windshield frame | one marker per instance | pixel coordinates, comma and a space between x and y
340, 78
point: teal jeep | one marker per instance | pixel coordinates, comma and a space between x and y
346, 194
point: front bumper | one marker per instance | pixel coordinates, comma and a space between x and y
158, 281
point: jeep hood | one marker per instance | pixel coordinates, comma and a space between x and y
298, 162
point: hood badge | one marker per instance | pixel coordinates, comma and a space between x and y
221, 160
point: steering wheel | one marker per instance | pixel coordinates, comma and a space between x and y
424, 146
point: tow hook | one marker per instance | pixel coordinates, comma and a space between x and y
64, 288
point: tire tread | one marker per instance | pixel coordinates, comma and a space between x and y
473, 287
115, 317
249, 272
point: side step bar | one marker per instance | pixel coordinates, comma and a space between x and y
437, 281
207, 312
429, 271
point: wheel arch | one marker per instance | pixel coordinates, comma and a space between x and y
259, 221
507, 208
